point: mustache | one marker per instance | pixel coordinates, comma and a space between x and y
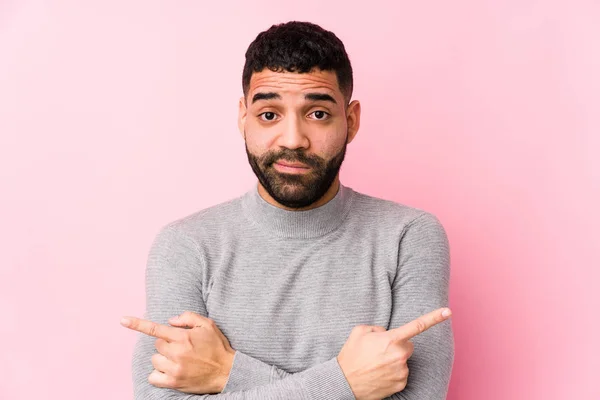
292, 156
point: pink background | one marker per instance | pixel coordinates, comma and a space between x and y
117, 117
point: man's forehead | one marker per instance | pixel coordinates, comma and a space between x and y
290, 82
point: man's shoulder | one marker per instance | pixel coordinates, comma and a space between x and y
386, 212
209, 219
371, 205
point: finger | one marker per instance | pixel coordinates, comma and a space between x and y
222, 336
188, 320
409, 347
161, 380
163, 364
172, 351
192, 320
362, 329
406, 347
419, 325
150, 328
162, 346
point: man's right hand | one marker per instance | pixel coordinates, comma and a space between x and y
374, 360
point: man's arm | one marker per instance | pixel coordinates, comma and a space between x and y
198, 359
173, 285
422, 284
326, 380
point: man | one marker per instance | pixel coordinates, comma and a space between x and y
302, 288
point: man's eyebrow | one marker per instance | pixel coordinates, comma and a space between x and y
265, 96
319, 97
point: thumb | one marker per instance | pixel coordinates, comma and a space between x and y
378, 329
187, 320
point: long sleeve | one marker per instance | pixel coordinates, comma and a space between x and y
421, 286
422, 283
173, 285
248, 372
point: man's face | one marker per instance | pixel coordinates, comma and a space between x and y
296, 127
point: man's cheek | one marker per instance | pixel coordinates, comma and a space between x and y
259, 144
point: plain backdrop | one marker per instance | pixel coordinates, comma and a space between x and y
117, 117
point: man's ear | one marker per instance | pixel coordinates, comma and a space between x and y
242, 113
353, 119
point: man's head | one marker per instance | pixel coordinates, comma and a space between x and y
296, 115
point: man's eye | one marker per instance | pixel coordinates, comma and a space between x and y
268, 116
319, 115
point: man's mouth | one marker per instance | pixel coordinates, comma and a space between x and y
291, 167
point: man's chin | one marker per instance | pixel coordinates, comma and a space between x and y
292, 182
293, 195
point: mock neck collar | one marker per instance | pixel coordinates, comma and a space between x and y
298, 224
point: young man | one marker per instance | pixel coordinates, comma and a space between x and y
302, 288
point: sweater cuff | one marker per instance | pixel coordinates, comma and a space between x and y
247, 372
327, 381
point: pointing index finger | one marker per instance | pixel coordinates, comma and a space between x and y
420, 325
150, 328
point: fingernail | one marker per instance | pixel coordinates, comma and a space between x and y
125, 321
446, 313
174, 318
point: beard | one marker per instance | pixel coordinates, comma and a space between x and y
296, 190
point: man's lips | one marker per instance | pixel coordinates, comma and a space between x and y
292, 164
291, 167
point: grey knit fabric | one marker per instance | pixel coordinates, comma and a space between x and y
287, 287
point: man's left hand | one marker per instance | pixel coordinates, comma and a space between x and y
195, 360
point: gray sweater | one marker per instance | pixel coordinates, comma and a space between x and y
287, 287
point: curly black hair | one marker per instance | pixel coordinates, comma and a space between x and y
298, 47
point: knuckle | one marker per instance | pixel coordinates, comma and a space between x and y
401, 386
403, 356
171, 382
176, 355
358, 329
155, 359
410, 348
406, 351
420, 325
402, 379
404, 373
178, 371
152, 330
370, 328
153, 379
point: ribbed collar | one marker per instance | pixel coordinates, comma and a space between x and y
298, 224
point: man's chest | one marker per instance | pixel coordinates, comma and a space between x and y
295, 307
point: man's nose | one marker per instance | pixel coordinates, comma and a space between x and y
293, 134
